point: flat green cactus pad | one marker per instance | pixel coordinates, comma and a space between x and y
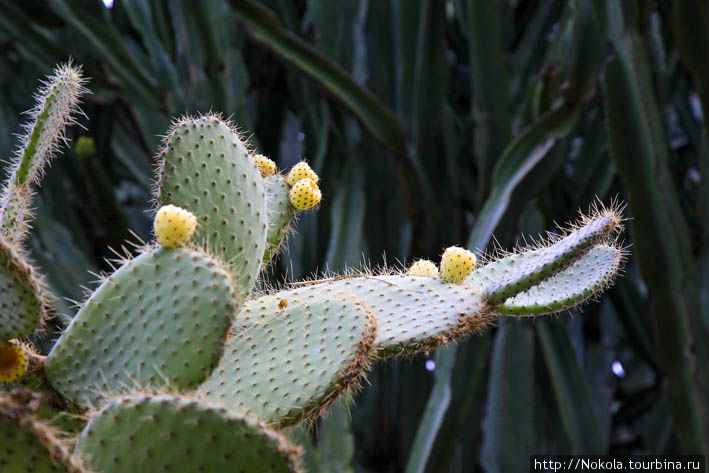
568, 288
160, 318
413, 313
21, 302
29, 446
280, 214
289, 358
554, 258
206, 169
169, 433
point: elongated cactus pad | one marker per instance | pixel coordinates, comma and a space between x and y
280, 214
413, 313
586, 277
160, 318
289, 359
56, 102
206, 169
27, 445
147, 434
553, 259
22, 302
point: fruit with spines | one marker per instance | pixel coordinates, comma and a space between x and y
456, 264
305, 194
301, 171
287, 363
265, 166
150, 433
207, 169
160, 319
174, 226
423, 268
13, 361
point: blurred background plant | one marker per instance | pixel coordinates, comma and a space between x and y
431, 123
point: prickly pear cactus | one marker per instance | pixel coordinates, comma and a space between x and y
207, 169
162, 318
179, 317
145, 434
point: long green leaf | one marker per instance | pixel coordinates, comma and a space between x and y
509, 422
379, 120
640, 154
571, 390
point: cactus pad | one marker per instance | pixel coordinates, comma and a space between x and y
27, 445
22, 305
554, 258
289, 358
413, 313
586, 277
280, 214
206, 169
170, 433
160, 318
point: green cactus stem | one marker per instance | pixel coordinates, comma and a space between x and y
57, 101
206, 168
288, 359
22, 295
161, 318
280, 214
146, 434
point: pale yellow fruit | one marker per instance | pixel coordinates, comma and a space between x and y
305, 194
456, 264
174, 226
423, 267
301, 171
265, 166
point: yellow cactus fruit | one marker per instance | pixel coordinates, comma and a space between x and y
305, 194
174, 226
456, 264
423, 267
301, 171
265, 166
13, 362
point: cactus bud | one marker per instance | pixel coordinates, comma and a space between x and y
85, 148
13, 362
265, 166
456, 264
305, 194
301, 171
423, 267
174, 226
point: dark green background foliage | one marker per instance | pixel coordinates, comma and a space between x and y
431, 123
